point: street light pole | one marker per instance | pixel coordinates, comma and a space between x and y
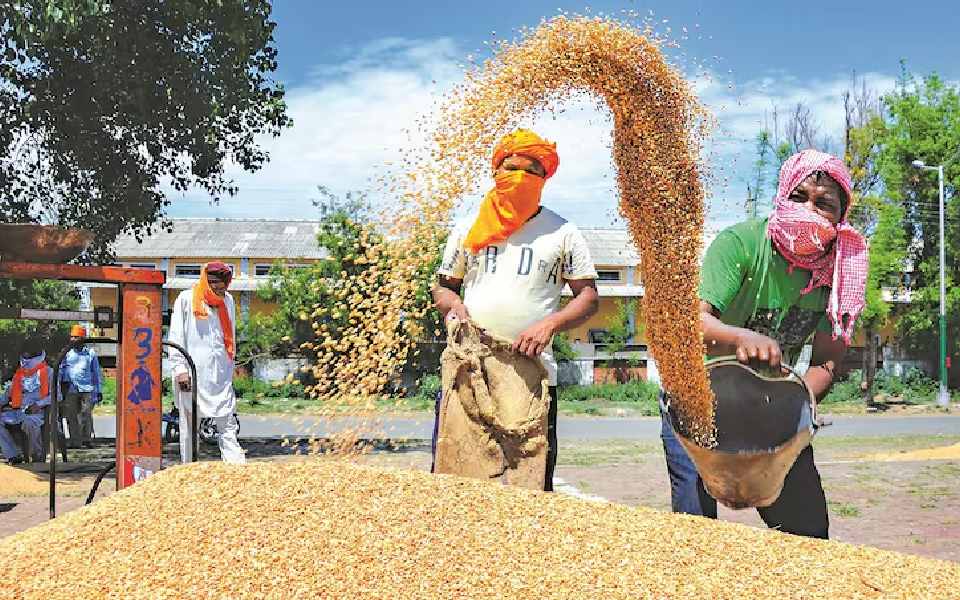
944, 397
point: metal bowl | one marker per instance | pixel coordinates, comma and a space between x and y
28, 242
763, 421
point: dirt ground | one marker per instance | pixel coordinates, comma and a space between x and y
908, 506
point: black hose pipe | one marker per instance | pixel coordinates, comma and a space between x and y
96, 484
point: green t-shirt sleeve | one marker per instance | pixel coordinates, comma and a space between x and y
824, 324
724, 268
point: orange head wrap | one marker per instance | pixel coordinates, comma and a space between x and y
204, 296
516, 196
524, 142
78, 331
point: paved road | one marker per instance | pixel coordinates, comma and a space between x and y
568, 428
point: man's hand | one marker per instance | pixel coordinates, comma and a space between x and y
458, 311
754, 347
534, 339
183, 382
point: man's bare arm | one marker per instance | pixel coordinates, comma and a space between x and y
535, 338
826, 359
446, 297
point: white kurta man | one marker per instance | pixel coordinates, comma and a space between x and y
203, 323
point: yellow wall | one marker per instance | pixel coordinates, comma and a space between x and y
105, 296
601, 320
260, 307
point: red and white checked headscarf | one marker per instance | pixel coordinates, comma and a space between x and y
804, 238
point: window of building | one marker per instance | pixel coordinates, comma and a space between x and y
188, 271
608, 275
262, 270
143, 265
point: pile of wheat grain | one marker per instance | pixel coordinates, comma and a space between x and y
329, 529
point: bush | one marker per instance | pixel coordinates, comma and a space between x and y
913, 387
638, 391
109, 390
427, 391
562, 349
845, 390
251, 387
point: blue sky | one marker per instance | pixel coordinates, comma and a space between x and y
358, 73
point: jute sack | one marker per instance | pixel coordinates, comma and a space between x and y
493, 412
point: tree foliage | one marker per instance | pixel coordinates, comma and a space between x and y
53, 335
779, 138
877, 216
620, 326
924, 124
313, 302
105, 104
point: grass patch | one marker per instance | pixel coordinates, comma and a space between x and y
631, 399
845, 510
610, 452
942, 470
929, 496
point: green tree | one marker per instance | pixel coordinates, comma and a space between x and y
33, 294
879, 218
620, 326
924, 124
346, 235
314, 302
105, 104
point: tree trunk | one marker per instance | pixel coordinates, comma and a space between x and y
869, 364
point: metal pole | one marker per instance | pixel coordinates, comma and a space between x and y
53, 429
944, 398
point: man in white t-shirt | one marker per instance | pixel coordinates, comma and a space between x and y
512, 261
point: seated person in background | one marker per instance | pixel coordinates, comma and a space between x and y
24, 402
10, 418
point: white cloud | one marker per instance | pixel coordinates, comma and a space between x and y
351, 117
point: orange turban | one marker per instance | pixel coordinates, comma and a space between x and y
78, 331
524, 142
516, 196
204, 296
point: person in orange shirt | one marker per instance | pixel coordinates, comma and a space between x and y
24, 403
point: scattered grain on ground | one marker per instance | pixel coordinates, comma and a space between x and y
951, 452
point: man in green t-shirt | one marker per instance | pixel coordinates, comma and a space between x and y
767, 287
